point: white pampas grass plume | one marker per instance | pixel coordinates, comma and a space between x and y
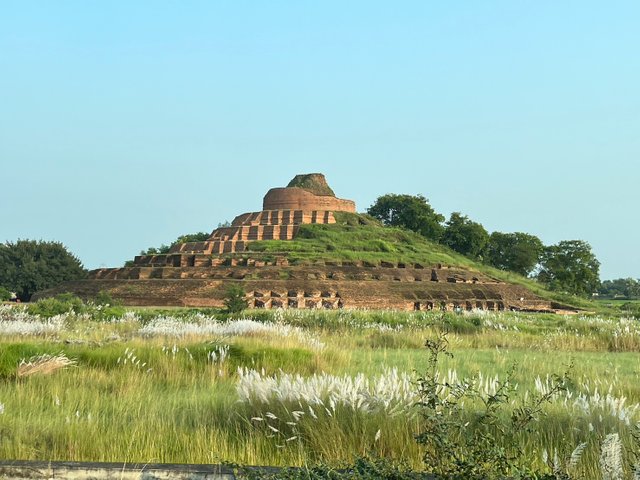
576, 455
611, 458
44, 364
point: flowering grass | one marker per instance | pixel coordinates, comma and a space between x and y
299, 387
43, 365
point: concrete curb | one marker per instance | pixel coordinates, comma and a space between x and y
34, 470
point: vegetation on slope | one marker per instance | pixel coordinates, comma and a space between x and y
312, 182
359, 238
569, 266
356, 237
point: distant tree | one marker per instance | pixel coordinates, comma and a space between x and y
517, 252
570, 266
624, 287
28, 266
235, 299
410, 212
192, 237
464, 236
189, 237
162, 249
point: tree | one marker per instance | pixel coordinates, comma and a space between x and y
189, 237
570, 266
517, 252
624, 287
465, 236
28, 266
410, 212
192, 237
235, 299
162, 249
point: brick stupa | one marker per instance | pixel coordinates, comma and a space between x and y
307, 199
199, 273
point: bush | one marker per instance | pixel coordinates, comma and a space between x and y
4, 294
105, 299
455, 447
631, 308
63, 303
235, 300
363, 468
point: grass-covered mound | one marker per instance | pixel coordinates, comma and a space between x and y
357, 237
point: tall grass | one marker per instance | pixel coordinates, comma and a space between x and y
298, 387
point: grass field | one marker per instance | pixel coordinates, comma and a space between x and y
301, 387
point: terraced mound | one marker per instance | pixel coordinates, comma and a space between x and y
309, 249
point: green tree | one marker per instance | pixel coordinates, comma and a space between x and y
162, 249
412, 212
517, 252
625, 287
189, 237
465, 236
28, 266
235, 299
192, 237
570, 266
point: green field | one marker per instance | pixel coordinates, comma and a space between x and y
300, 387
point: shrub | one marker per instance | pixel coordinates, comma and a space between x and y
4, 294
104, 298
235, 300
631, 308
472, 449
63, 303
363, 468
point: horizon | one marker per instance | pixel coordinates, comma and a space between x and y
125, 126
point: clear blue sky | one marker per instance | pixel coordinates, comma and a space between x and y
124, 124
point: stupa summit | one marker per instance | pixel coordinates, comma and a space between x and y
199, 273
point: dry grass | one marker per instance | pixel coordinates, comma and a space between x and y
44, 365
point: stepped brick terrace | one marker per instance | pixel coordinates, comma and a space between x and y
198, 273
283, 211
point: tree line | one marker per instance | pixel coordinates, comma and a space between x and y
620, 287
569, 266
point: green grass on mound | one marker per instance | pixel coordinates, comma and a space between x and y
356, 237
359, 238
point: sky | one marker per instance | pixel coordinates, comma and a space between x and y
124, 124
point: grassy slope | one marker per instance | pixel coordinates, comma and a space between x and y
359, 238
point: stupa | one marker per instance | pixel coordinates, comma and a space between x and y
199, 273
306, 199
